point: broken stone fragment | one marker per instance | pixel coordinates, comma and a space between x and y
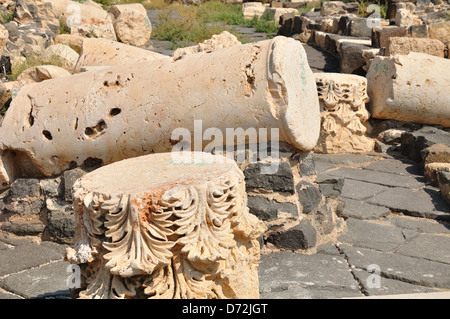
103, 52
132, 27
94, 28
217, 41
61, 53
410, 88
404, 45
41, 73
131, 110
343, 99
117, 9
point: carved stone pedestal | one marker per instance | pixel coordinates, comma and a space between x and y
343, 99
154, 227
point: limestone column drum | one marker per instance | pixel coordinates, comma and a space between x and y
132, 110
410, 88
151, 227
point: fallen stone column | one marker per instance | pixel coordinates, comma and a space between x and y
104, 52
343, 99
148, 228
410, 88
132, 110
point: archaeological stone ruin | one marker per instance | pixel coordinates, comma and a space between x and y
205, 171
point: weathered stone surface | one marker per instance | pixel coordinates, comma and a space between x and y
427, 246
118, 9
63, 54
301, 236
281, 181
359, 27
342, 101
405, 18
419, 203
72, 40
24, 227
103, 52
73, 10
276, 13
191, 218
396, 166
3, 37
418, 31
410, 269
286, 271
24, 188
94, 28
372, 235
410, 88
330, 8
436, 153
431, 170
309, 196
133, 27
382, 178
217, 41
266, 209
413, 143
251, 9
36, 283
352, 59
361, 210
444, 184
41, 73
61, 226
330, 186
420, 225
25, 248
69, 178
440, 31
405, 45
386, 286
380, 37
105, 124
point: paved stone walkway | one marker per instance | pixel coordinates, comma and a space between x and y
397, 242
397, 239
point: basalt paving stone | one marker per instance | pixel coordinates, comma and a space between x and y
420, 225
372, 235
427, 246
395, 166
381, 178
361, 210
312, 293
359, 190
7, 295
424, 202
24, 254
404, 268
43, 282
284, 270
375, 285
344, 159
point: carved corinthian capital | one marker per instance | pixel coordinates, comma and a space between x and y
151, 228
343, 99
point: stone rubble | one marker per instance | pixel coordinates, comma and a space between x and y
373, 190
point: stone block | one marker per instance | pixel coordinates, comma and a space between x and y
24, 188
281, 181
380, 36
301, 236
251, 9
61, 226
412, 143
431, 171
440, 31
410, 88
329, 8
418, 31
404, 45
309, 196
444, 184
358, 27
436, 153
69, 178
266, 209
